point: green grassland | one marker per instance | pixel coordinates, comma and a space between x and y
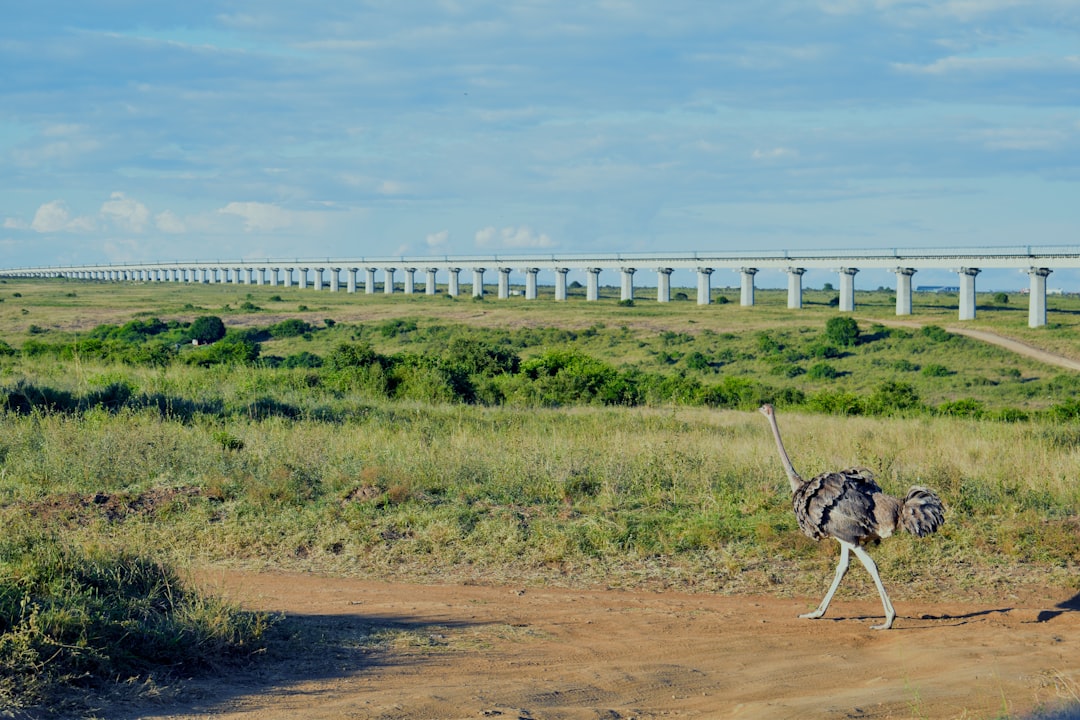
434, 438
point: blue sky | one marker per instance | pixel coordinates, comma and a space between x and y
133, 130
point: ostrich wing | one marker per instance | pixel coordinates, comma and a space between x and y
839, 505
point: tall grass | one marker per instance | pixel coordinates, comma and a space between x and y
686, 497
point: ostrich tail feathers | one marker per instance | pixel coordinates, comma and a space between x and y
922, 513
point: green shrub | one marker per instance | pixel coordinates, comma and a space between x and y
292, 327
822, 371
86, 617
936, 333
842, 330
207, 329
890, 397
936, 370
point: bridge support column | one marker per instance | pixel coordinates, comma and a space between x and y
429, 288
794, 287
410, 280
627, 283
592, 284
746, 297
530, 283
663, 285
335, 279
317, 279
967, 293
1037, 296
903, 290
560, 282
301, 278
369, 281
504, 283
478, 282
350, 279
704, 285
847, 289
388, 280
453, 284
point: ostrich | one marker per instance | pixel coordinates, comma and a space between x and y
850, 507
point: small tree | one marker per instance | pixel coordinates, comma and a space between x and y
207, 329
842, 330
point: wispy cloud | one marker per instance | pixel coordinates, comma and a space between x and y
515, 238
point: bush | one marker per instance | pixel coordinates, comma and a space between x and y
352, 355
292, 327
842, 330
936, 333
822, 371
936, 370
75, 618
207, 329
891, 397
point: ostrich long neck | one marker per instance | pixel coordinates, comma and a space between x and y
793, 477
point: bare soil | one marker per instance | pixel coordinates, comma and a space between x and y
368, 649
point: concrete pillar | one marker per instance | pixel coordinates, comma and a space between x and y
478, 282
794, 287
560, 283
704, 285
847, 289
903, 290
746, 298
1037, 296
247, 275
453, 285
592, 291
627, 283
504, 283
335, 279
410, 280
286, 277
350, 279
236, 273
388, 280
430, 287
663, 285
274, 276
369, 282
967, 292
301, 278
530, 283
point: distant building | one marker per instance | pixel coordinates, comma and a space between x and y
938, 288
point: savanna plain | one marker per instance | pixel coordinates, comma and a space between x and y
260, 502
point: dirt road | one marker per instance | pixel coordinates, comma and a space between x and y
403, 651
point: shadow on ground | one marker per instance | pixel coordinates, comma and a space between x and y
301, 649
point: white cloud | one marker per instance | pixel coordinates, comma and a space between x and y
437, 240
54, 217
511, 237
775, 153
168, 222
391, 187
14, 224
125, 213
259, 216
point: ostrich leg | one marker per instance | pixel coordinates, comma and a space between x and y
868, 563
841, 568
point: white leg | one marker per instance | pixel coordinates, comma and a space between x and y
841, 568
868, 563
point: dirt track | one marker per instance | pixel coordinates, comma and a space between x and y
514, 652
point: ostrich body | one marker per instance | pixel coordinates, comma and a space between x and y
850, 507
